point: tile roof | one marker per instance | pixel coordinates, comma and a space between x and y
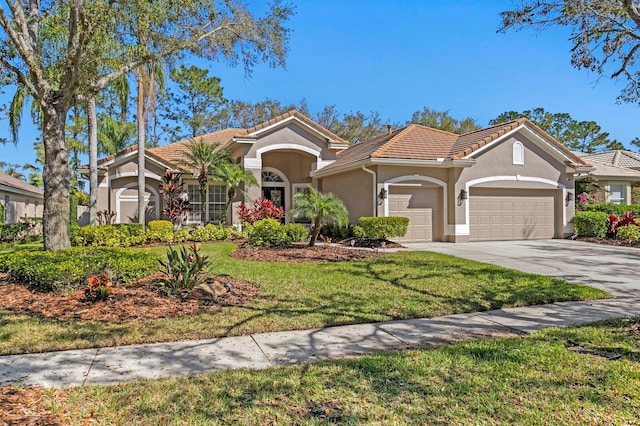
296, 114
173, 152
416, 142
21, 185
619, 158
608, 170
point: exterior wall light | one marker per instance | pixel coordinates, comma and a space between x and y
463, 195
382, 196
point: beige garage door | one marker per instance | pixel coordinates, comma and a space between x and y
498, 214
422, 207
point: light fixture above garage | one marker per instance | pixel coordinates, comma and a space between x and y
382, 196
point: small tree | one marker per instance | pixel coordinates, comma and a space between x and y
233, 175
176, 204
321, 208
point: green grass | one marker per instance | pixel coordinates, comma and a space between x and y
532, 380
300, 296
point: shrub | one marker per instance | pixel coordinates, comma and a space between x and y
160, 230
261, 209
211, 232
613, 223
268, 233
590, 224
1, 215
120, 235
98, 286
358, 232
616, 209
181, 235
629, 232
68, 269
296, 232
183, 268
73, 210
336, 231
384, 227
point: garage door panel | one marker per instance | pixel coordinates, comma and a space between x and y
421, 206
496, 214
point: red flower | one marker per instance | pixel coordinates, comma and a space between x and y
93, 281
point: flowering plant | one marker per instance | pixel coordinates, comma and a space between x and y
261, 209
98, 286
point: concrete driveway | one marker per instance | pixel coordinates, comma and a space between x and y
610, 268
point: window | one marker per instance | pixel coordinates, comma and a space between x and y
217, 202
616, 194
518, 153
213, 210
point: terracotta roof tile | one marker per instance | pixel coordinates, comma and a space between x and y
619, 158
416, 142
173, 153
603, 169
292, 113
16, 183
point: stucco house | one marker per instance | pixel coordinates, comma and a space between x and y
617, 172
509, 181
19, 199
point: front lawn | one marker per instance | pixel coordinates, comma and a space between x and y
536, 379
304, 295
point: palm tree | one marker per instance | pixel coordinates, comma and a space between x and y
233, 175
201, 158
321, 208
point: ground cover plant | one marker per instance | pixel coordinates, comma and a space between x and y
300, 296
555, 376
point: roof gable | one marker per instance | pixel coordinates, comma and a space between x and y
421, 143
298, 118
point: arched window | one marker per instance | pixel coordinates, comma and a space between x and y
271, 177
518, 153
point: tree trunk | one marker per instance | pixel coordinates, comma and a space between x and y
92, 124
315, 231
141, 165
56, 176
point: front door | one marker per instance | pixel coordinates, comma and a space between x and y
275, 194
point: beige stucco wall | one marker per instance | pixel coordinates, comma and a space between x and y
497, 161
19, 206
354, 188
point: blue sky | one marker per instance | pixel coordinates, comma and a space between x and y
396, 57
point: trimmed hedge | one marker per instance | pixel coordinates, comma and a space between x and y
617, 209
160, 230
120, 235
211, 232
628, 233
296, 232
68, 269
384, 227
268, 233
591, 224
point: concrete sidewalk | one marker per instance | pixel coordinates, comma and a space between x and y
154, 361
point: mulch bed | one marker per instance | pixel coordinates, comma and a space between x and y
27, 407
301, 253
142, 300
610, 241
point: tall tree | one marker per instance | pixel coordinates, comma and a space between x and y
48, 50
193, 104
200, 158
583, 136
444, 121
605, 34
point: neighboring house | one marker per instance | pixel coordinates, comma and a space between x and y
617, 173
19, 199
509, 181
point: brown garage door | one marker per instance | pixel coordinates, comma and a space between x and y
498, 214
422, 207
